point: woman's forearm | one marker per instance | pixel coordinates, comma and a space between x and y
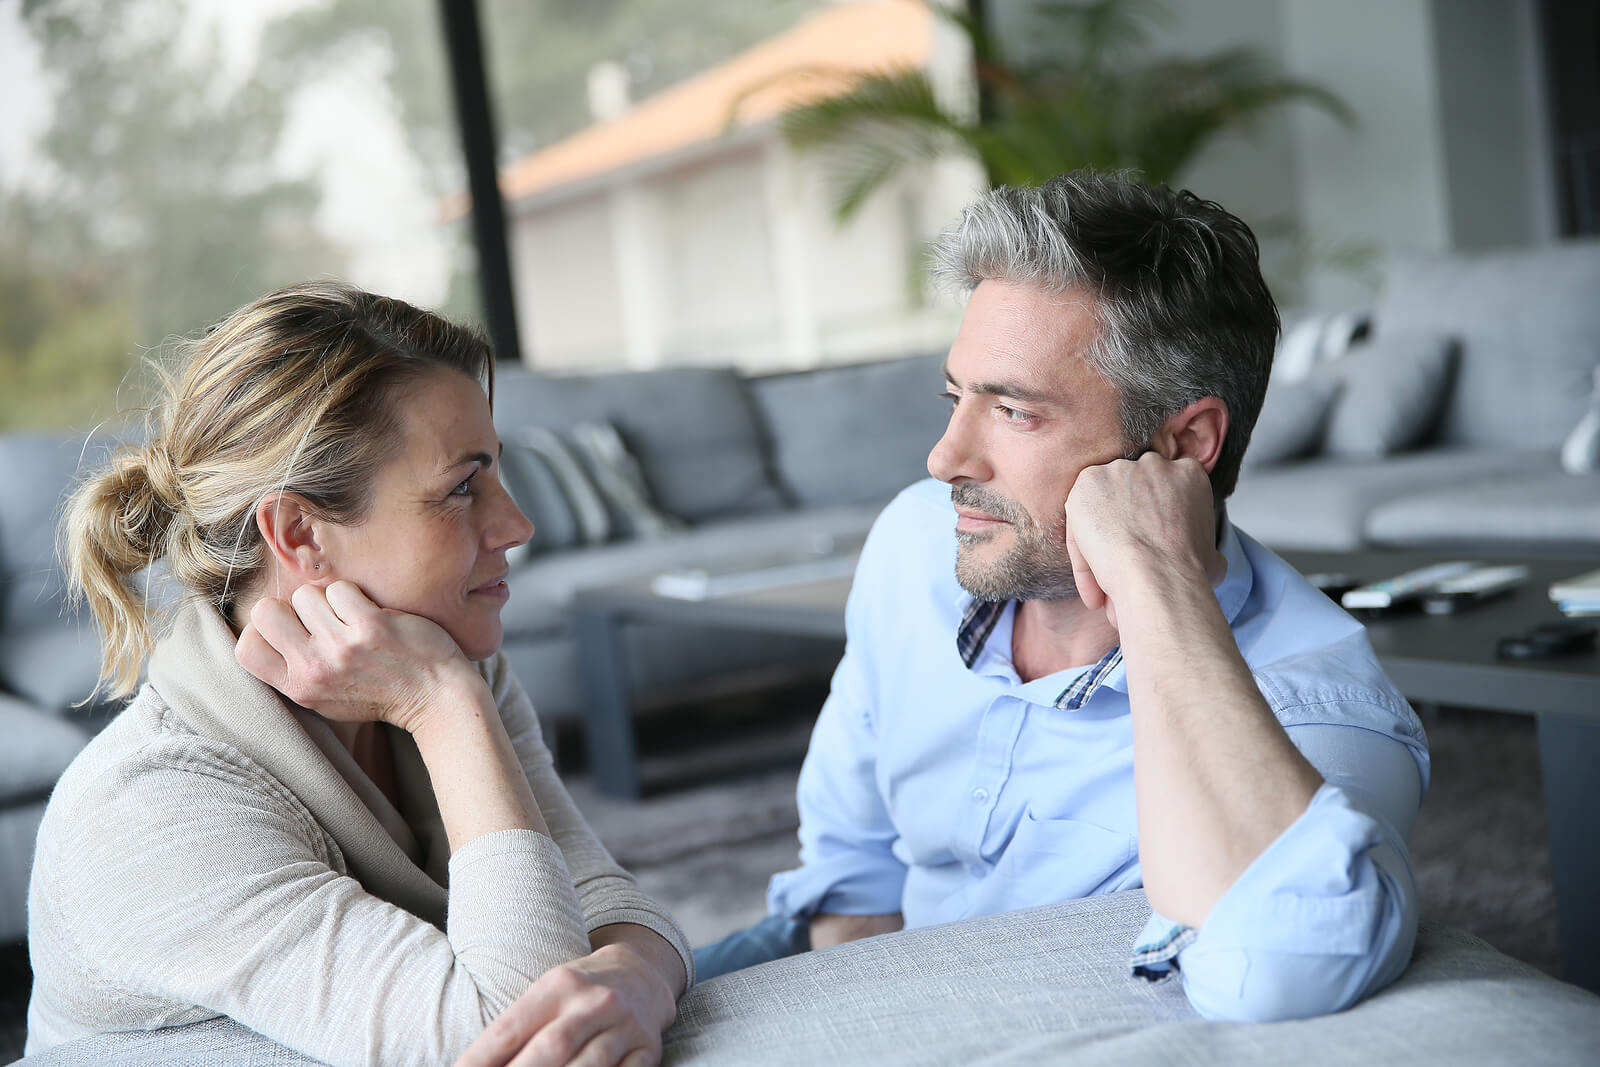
478, 781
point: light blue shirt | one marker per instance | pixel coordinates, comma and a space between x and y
943, 790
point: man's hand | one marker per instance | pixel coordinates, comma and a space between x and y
1148, 513
608, 1008
830, 930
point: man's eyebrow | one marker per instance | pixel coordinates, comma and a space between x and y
1014, 390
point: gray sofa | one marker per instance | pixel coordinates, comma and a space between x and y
744, 466
1481, 472
1047, 985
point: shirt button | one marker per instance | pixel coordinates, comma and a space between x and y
980, 794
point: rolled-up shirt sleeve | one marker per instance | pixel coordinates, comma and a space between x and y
1327, 914
847, 860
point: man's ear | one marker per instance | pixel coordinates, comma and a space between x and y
1196, 432
291, 529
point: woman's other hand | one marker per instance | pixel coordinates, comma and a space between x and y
607, 1009
336, 652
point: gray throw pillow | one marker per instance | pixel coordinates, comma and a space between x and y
588, 506
1394, 388
621, 483
1293, 417
533, 485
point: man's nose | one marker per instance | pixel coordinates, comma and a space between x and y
958, 454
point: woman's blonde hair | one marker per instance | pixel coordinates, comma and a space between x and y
293, 392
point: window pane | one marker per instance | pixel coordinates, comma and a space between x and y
173, 159
656, 214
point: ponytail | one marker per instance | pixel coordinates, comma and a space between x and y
117, 524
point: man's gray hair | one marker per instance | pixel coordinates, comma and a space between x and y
1183, 310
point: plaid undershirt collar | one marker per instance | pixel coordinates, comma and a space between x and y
978, 622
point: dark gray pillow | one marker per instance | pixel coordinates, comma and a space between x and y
1395, 387
692, 429
854, 434
1292, 420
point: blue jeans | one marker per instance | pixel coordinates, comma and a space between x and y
772, 938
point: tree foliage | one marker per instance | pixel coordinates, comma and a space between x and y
1097, 97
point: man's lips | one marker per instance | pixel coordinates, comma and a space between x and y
971, 520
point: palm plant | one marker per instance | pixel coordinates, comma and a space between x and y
1101, 100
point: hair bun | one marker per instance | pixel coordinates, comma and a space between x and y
148, 497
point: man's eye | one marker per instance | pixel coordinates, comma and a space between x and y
1010, 414
465, 488
948, 395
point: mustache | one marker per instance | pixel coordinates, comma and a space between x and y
976, 497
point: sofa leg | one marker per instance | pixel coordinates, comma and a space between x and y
1569, 752
607, 712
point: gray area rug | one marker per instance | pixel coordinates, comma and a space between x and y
706, 852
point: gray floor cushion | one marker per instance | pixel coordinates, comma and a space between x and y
1322, 504
1546, 507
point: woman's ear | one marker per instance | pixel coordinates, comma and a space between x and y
291, 531
1196, 432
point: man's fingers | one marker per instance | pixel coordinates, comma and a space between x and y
1089, 590
605, 1049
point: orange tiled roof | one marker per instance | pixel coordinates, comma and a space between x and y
854, 38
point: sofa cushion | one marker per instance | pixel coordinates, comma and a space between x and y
1541, 506
852, 435
36, 473
692, 429
1394, 388
1529, 327
1322, 504
37, 749
542, 590
52, 661
530, 478
1293, 417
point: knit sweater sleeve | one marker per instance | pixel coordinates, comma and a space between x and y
608, 893
188, 874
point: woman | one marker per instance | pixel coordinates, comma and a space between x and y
328, 814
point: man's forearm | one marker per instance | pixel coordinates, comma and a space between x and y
830, 930
1216, 778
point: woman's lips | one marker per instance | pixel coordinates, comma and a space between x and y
498, 589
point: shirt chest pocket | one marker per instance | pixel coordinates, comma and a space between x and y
1071, 857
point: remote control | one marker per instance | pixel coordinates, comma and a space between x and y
1404, 587
1474, 587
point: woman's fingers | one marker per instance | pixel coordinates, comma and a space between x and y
258, 657
347, 601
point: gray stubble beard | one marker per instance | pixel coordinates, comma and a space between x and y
1036, 567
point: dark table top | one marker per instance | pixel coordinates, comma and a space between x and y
1447, 659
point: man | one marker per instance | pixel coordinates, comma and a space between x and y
1114, 687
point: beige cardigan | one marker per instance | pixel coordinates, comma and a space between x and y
216, 851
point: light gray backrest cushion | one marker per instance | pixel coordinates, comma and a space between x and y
1529, 327
856, 434
692, 429
1293, 417
1394, 388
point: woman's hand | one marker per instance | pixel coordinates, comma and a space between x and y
336, 652
608, 1008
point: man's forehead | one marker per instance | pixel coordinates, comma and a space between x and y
1026, 342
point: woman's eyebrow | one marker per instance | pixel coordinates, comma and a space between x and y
481, 458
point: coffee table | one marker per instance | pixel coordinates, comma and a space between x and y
1433, 659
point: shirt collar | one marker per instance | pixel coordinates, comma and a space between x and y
979, 618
